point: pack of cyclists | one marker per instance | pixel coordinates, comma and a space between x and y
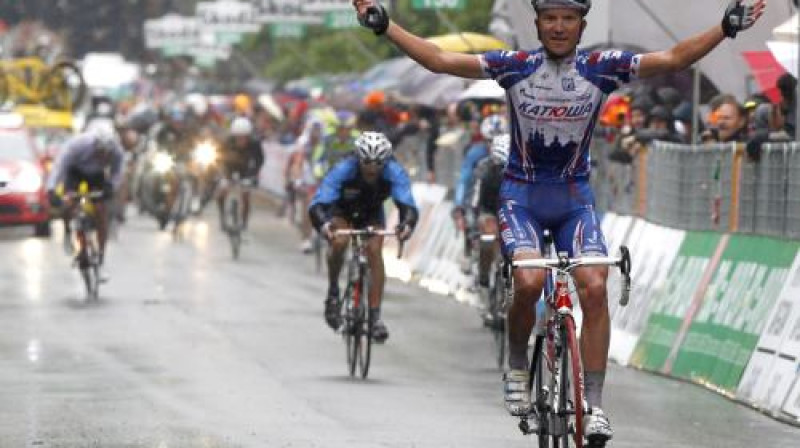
528, 173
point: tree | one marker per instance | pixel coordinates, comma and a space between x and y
338, 51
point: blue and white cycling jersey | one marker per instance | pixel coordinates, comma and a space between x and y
554, 106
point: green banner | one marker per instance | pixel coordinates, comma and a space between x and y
288, 30
671, 302
438, 4
735, 309
341, 19
228, 38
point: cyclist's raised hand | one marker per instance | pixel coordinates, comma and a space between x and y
372, 15
741, 15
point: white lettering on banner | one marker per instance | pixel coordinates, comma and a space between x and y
327, 5
286, 11
171, 30
228, 15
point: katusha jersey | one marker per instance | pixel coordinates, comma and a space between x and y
554, 106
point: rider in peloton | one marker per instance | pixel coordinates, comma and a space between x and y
486, 201
94, 157
554, 95
241, 153
351, 196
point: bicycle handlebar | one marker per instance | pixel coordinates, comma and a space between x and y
96, 194
623, 262
371, 232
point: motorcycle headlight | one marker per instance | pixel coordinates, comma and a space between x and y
162, 162
205, 154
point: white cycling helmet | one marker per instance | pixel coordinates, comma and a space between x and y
373, 146
241, 127
197, 103
582, 5
500, 148
105, 137
493, 125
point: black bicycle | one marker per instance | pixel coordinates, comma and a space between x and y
234, 212
84, 221
556, 373
357, 327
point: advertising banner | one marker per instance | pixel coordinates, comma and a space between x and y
741, 294
653, 250
673, 299
773, 368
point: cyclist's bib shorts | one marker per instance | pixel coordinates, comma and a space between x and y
566, 208
74, 177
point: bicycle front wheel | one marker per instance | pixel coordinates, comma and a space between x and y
571, 385
497, 309
365, 329
350, 315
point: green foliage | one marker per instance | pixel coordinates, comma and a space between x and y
341, 51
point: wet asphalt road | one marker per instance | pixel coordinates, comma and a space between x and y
187, 348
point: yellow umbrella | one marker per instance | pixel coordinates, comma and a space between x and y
468, 42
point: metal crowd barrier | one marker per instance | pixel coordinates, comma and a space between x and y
706, 187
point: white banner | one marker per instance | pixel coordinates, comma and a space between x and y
653, 249
772, 369
228, 16
286, 11
171, 31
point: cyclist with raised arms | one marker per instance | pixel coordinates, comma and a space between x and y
94, 157
351, 196
555, 94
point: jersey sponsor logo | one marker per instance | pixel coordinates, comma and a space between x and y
568, 84
535, 111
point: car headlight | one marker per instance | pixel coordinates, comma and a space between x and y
162, 162
28, 180
205, 153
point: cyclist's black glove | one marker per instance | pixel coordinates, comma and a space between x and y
54, 199
739, 17
108, 191
376, 18
403, 231
327, 230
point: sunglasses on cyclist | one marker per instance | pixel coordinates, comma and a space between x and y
375, 162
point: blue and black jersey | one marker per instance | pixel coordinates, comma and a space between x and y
344, 193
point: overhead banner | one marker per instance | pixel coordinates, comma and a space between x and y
171, 31
228, 16
286, 12
743, 291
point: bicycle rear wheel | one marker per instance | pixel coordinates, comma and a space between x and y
571, 385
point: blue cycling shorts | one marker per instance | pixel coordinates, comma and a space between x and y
565, 208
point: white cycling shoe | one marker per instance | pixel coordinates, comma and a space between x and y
517, 392
597, 430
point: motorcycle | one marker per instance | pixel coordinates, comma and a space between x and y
205, 173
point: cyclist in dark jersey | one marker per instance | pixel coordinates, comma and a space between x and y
486, 201
352, 196
242, 153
